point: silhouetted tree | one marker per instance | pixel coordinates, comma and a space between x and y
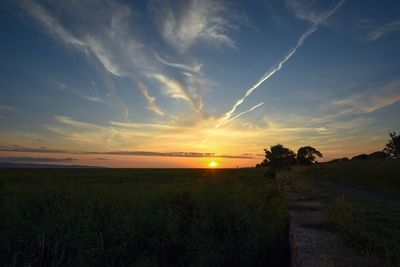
392, 148
307, 155
279, 157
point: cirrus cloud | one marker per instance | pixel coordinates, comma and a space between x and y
194, 21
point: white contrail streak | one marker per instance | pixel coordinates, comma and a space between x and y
272, 71
241, 113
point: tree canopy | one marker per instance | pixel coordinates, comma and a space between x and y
278, 157
392, 148
307, 154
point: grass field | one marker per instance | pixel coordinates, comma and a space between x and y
372, 230
369, 228
141, 217
381, 176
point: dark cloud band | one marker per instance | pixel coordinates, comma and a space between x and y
128, 153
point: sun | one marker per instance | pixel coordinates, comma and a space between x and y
212, 164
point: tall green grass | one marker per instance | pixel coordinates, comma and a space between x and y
141, 218
373, 230
381, 176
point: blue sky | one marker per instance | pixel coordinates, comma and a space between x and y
178, 83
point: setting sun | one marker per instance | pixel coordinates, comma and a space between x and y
212, 164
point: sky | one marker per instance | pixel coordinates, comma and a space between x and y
184, 83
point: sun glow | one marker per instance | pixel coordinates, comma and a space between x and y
212, 164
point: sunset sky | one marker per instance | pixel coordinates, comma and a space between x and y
186, 83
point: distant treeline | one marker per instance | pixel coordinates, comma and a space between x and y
279, 156
390, 151
373, 155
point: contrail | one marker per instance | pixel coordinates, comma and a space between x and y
241, 113
272, 71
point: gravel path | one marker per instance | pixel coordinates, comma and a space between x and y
312, 245
309, 246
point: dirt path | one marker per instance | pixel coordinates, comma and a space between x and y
359, 192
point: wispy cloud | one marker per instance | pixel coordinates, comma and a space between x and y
193, 79
106, 36
93, 99
177, 90
7, 108
82, 133
151, 101
311, 10
372, 99
355, 105
380, 31
51, 24
195, 21
74, 123
173, 88
196, 68
110, 40
276, 68
156, 126
104, 57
